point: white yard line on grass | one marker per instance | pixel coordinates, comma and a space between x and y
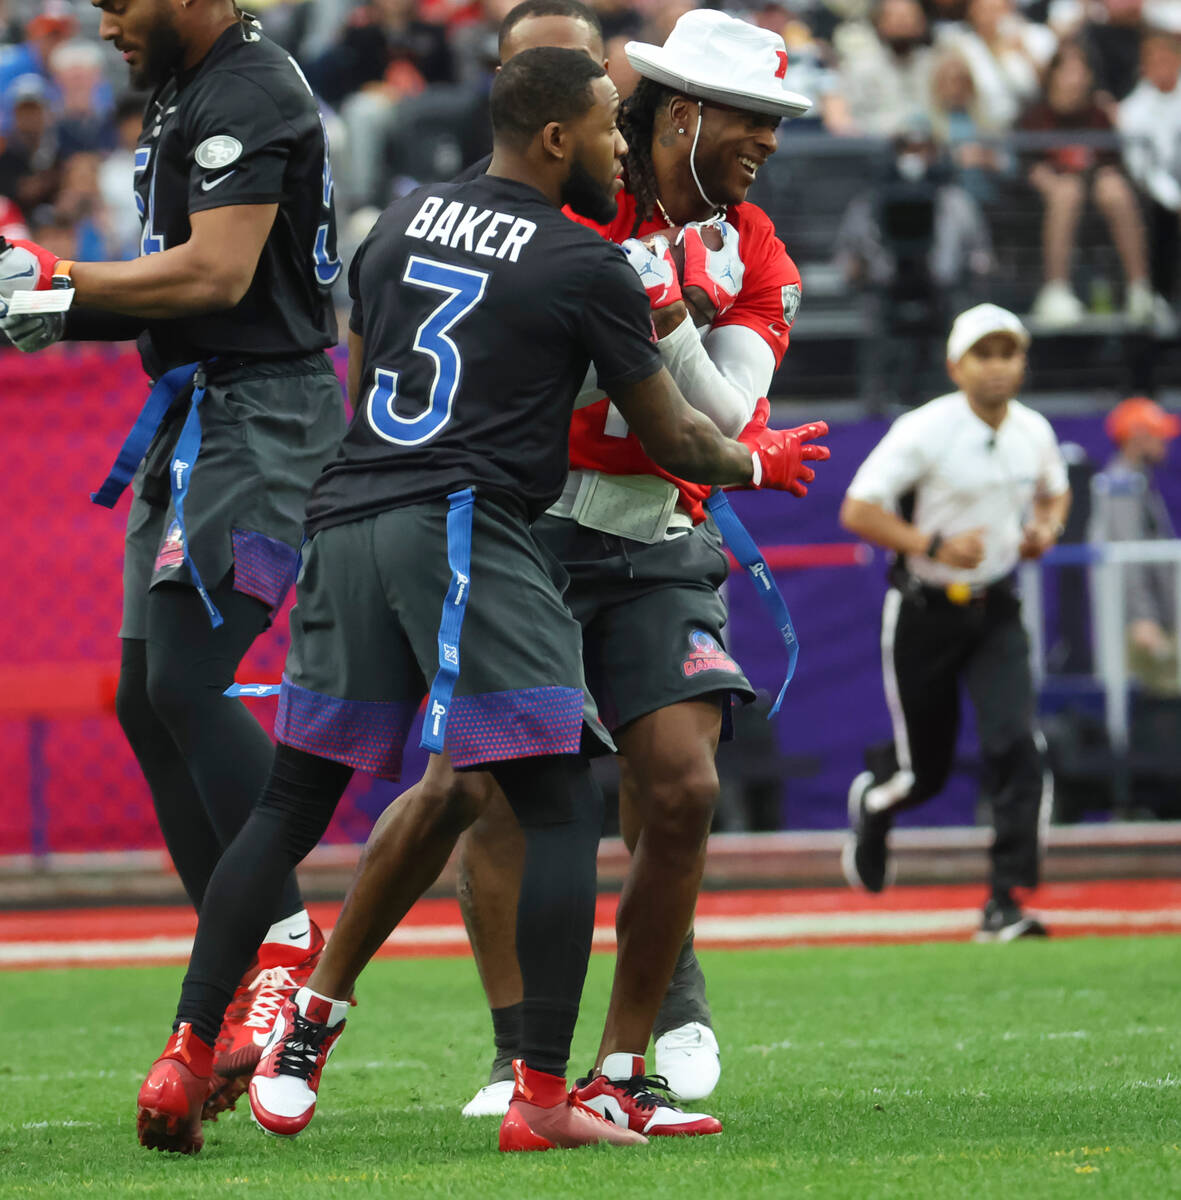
718, 930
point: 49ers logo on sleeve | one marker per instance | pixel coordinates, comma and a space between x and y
706, 655
218, 151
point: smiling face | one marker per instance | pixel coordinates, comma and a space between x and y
145, 32
733, 145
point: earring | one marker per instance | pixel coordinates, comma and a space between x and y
681, 131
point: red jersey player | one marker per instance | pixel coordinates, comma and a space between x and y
645, 563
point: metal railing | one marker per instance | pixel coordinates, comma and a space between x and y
1105, 563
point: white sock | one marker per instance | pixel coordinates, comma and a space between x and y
294, 931
340, 1008
622, 1065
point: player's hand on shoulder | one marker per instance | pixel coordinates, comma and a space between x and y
781, 455
712, 263
24, 266
653, 263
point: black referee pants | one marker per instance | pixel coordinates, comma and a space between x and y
930, 647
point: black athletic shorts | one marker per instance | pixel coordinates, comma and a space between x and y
651, 616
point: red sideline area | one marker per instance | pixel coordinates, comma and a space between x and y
120, 936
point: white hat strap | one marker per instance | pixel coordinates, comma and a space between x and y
693, 158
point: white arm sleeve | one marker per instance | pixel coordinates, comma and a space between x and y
722, 377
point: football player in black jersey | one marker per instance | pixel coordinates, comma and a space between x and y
230, 302
477, 310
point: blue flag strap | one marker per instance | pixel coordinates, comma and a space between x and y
188, 447
459, 559
743, 547
135, 446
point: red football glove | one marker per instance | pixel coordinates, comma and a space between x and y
652, 261
717, 272
780, 454
31, 270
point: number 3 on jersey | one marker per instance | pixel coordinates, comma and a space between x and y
462, 289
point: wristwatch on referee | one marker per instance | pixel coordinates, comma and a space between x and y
934, 545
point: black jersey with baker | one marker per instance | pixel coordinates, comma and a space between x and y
483, 306
242, 128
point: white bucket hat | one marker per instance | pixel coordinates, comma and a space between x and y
711, 56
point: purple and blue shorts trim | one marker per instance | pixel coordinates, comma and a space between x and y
264, 567
370, 735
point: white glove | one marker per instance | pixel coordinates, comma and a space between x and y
653, 263
717, 272
32, 331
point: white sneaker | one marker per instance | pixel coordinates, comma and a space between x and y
688, 1058
1057, 305
492, 1100
1139, 304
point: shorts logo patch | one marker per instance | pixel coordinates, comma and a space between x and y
218, 151
172, 549
706, 655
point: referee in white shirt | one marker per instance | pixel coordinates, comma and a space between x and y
982, 482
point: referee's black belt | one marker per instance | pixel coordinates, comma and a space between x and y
951, 595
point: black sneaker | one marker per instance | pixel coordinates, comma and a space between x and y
865, 858
1005, 922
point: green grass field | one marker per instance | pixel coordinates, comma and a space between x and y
1020, 1071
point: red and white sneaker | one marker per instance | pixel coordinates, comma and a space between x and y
170, 1099
623, 1094
280, 970
283, 1089
542, 1115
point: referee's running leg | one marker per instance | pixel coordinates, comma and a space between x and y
1000, 685
924, 646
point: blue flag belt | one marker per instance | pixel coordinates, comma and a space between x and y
744, 549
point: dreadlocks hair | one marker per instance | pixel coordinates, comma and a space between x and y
637, 123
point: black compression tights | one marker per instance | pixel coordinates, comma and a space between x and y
205, 757
291, 816
560, 810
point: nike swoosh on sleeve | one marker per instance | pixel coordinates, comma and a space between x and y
207, 185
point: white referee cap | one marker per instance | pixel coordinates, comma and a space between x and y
711, 56
976, 323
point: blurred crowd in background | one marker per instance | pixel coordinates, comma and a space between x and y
1077, 100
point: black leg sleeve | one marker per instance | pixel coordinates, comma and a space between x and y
226, 751
290, 818
560, 810
188, 833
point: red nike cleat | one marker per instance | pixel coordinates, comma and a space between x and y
223, 1095
284, 1087
170, 1099
623, 1094
280, 971
542, 1115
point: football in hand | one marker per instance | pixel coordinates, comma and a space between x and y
701, 309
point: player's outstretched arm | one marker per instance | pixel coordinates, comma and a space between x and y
210, 272
689, 445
